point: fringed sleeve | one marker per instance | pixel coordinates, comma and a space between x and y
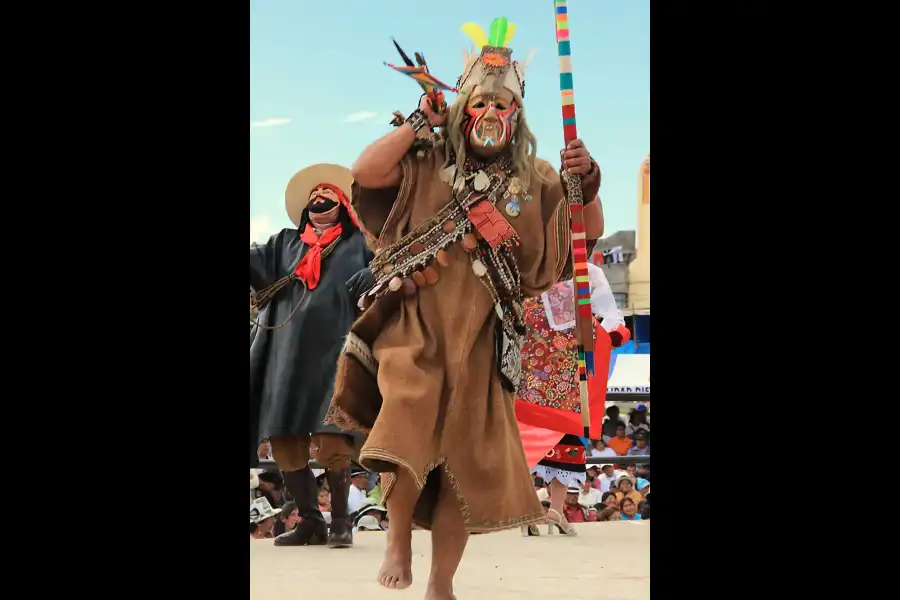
384, 212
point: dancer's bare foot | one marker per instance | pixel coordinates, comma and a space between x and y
433, 593
396, 570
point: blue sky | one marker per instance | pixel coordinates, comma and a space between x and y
320, 93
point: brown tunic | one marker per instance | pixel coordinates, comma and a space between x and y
438, 400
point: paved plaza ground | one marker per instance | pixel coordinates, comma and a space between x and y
606, 561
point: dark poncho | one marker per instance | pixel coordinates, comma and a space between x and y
292, 369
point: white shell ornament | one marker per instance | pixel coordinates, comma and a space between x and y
448, 174
458, 186
479, 268
482, 181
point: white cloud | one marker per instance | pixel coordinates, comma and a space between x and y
260, 229
273, 122
359, 116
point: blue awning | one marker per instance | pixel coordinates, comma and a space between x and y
632, 348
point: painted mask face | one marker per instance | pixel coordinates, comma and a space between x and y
322, 199
491, 121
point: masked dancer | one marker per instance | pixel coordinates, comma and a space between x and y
548, 406
307, 281
466, 230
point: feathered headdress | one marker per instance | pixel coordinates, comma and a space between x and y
493, 67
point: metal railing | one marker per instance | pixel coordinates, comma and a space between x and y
603, 460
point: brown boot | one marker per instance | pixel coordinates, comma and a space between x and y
311, 531
341, 533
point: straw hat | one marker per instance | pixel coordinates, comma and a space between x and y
296, 197
625, 477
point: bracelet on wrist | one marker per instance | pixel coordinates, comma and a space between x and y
417, 120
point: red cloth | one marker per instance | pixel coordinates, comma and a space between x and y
540, 414
574, 514
619, 336
346, 202
492, 225
343, 199
309, 269
537, 442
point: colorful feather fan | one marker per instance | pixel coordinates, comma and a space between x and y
432, 86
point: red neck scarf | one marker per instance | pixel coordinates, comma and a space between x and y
309, 269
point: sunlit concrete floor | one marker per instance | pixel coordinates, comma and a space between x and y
606, 561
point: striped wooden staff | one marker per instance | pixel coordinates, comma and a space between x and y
584, 326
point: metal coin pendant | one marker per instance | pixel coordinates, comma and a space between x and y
513, 209
482, 181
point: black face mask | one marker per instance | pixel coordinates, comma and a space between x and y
321, 204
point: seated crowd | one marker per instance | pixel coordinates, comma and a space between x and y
273, 512
610, 493
619, 438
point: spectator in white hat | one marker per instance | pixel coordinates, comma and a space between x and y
371, 517
572, 509
262, 518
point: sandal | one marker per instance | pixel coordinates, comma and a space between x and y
554, 519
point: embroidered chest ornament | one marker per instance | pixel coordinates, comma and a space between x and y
490, 95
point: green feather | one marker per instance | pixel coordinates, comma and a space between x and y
497, 35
